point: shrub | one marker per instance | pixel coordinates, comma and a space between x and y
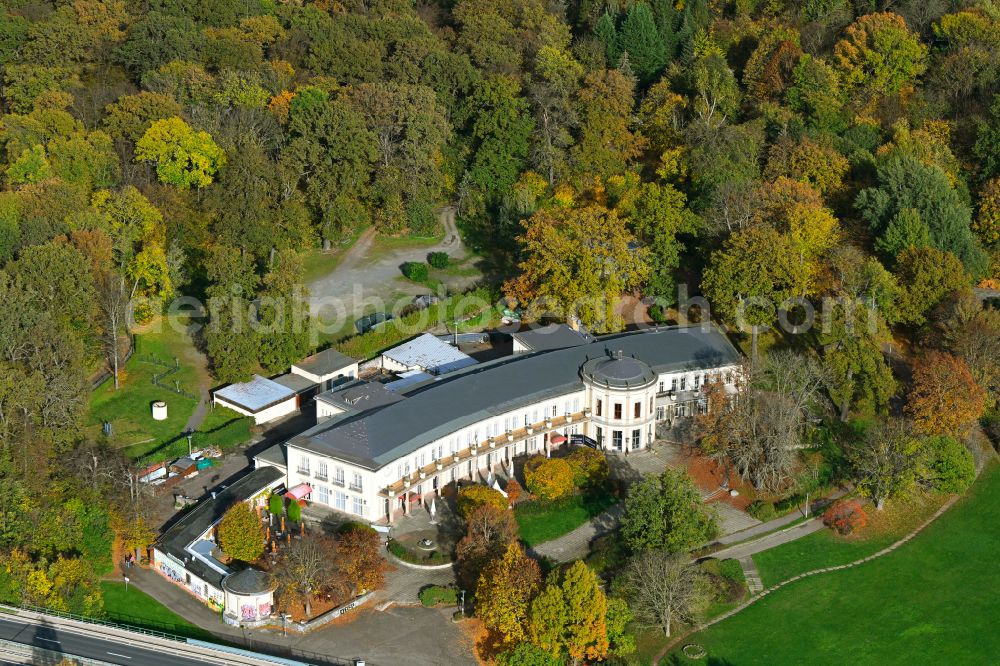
353, 525
846, 516
548, 478
657, 314
241, 534
415, 270
436, 594
275, 505
590, 467
472, 496
294, 511
761, 510
438, 259
951, 467
790, 502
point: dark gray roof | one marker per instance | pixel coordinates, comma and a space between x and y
274, 455
297, 383
248, 581
207, 513
553, 336
619, 371
325, 362
360, 396
437, 409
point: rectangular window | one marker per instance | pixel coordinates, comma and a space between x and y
356, 482
576, 405
636, 436
659, 413
661, 386
340, 500
533, 444
598, 408
618, 410
673, 384
338, 475
697, 381
616, 440
358, 506
434, 454
555, 410
684, 381
600, 436
637, 411
324, 494
304, 466
321, 470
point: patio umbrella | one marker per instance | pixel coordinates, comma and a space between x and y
510, 468
433, 511
489, 478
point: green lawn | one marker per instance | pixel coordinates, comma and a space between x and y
931, 601
128, 408
138, 609
826, 549
543, 521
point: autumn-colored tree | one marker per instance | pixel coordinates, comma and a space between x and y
241, 534
183, 157
607, 144
358, 559
987, 223
513, 491
945, 398
579, 261
878, 56
805, 160
473, 496
590, 466
569, 616
504, 590
548, 478
845, 516
306, 569
488, 532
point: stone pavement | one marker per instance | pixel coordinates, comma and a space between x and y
768, 541
417, 636
576, 544
751, 574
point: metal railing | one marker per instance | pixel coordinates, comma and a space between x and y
103, 623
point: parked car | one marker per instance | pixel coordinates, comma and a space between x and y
368, 322
583, 440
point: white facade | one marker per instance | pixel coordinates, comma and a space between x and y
620, 419
266, 415
325, 381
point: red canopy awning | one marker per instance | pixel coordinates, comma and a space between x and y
557, 439
299, 491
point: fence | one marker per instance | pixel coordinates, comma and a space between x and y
171, 368
108, 374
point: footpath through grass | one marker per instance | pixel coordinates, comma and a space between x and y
931, 601
136, 608
826, 549
540, 521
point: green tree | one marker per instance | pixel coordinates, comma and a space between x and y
888, 462
551, 92
925, 277
130, 116
31, 167
852, 354
904, 182
183, 156
241, 534
157, 39
527, 654
665, 512
815, 92
500, 134
951, 467
750, 276
640, 38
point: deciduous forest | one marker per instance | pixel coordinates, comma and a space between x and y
755, 151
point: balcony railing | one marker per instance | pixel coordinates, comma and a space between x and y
482, 448
356, 487
319, 477
304, 471
337, 482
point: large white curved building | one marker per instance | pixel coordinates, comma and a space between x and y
376, 455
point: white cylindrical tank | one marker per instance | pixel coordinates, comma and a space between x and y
159, 411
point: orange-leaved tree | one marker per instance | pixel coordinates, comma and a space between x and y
945, 398
474, 496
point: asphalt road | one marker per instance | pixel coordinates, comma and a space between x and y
82, 645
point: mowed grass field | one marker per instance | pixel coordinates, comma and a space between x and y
932, 601
136, 608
